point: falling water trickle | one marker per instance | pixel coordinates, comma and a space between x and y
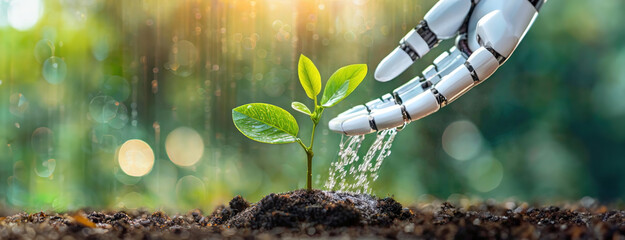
364, 172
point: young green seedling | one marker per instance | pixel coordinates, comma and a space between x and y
271, 124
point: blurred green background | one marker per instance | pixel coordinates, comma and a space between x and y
79, 78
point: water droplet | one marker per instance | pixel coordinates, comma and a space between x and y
54, 70
365, 171
103, 108
184, 146
136, 158
44, 49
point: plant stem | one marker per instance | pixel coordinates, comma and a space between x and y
309, 150
309, 154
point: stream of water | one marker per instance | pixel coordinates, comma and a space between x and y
351, 173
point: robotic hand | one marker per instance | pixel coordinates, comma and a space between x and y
487, 32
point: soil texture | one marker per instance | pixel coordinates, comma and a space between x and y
327, 215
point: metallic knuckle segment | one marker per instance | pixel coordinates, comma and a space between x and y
405, 115
500, 58
426, 33
406, 48
372, 123
472, 71
440, 99
425, 85
537, 4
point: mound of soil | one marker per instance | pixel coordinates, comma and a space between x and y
310, 208
325, 215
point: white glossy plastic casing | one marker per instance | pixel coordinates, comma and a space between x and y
446, 17
416, 42
392, 65
422, 105
455, 84
483, 62
357, 126
508, 20
386, 118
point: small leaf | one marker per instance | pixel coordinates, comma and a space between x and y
300, 107
265, 123
337, 96
354, 74
309, 76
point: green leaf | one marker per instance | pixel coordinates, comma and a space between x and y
354, 74
265, 123
309, 77
338, 96
300, 107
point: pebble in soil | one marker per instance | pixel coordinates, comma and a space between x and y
329, 215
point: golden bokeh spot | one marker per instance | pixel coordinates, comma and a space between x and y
184, 146
136, 158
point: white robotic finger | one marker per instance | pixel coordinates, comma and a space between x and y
359, 125
441, 22
392, 65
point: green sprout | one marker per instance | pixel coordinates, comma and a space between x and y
268, 123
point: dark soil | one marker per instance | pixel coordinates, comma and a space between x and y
319, 214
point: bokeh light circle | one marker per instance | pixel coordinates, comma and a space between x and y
19, 104
136, 158
485, 173
42, 141
182, 58
24, 14
184, 146
44, 49
103, 108
54, 70
462, 140
190, 189
117, 87
45, 167
121, 117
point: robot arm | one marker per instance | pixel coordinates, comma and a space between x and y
498, 28
441, 22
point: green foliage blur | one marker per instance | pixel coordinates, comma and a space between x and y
79, 78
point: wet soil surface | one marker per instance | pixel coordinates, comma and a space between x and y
318, 214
